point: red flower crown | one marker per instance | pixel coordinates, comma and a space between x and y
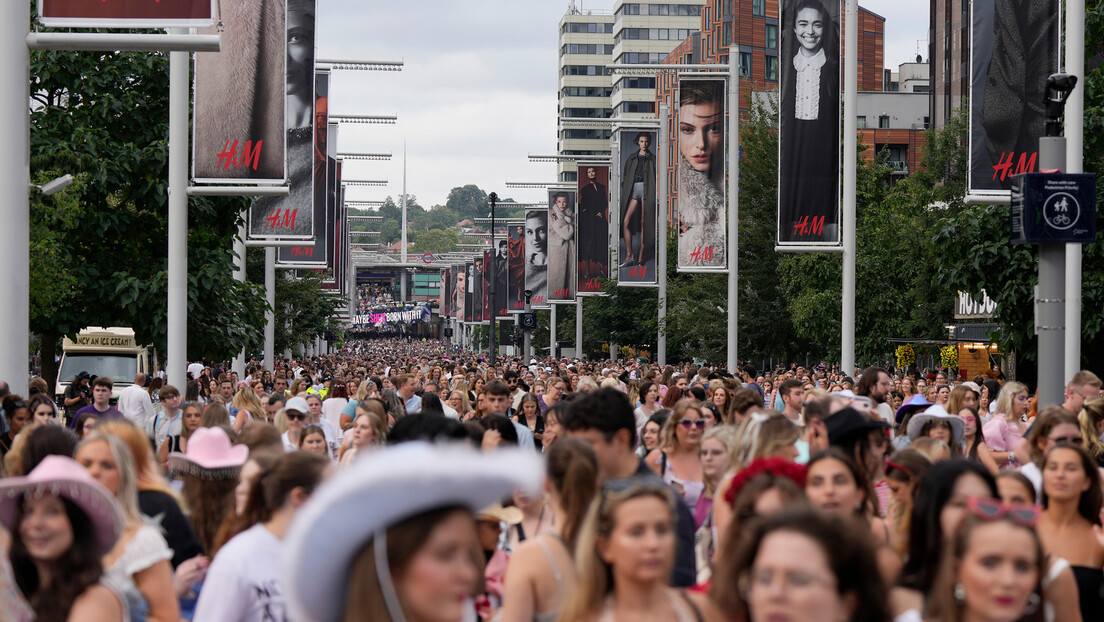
760, 466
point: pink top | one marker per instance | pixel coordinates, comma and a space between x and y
1000, 435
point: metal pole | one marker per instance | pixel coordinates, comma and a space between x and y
402, 251
1050, 314
850, 123
491, 285
527, 335
177, 312
15, 179
733, 203
552, 332
661, 234
579, 328
270, 315
1074, 133
238, 363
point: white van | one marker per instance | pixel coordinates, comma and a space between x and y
111, 352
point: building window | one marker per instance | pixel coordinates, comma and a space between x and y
641, 107
772, 36
759, 7
883, 122
772, 68
726, 34
927, 122
745, 64
860, 122
726, 7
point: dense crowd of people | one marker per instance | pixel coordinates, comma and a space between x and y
371, 296
404, 481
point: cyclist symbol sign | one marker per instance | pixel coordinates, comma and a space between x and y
1053, 208
1061, 210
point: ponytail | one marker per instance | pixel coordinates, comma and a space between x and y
573, 472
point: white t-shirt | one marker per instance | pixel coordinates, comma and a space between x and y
331, 410
243, 581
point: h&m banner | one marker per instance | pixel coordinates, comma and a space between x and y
592, 227
700, 123
562, 258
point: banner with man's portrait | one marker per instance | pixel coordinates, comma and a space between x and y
637, 213
486, 277
515, 281
469, 289
498, 271
238, 131
593, 228
700, 208
809, 132
1014, 47
562, 256
536, 256
289, 218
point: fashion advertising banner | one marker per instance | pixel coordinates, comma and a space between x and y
515, 282
1014, 47
485, 280
469, 289
536, 255
809, 124
637, 215
289, 218
238, 128
445, 293
127, 13
315, 257
459, 292
562, 258
500, 267
593, 227
700, 125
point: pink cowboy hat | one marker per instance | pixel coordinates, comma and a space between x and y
210, 455
63, 477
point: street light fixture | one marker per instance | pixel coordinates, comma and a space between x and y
54, 185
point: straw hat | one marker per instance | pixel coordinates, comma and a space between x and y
376, 492
210, 456
496, 512
63, 477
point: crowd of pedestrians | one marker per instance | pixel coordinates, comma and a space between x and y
401, 481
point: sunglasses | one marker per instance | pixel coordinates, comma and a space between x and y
692, 423
296, 417
990, 509
1072, 440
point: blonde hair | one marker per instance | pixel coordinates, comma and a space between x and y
248, 401
149, 477
595, 575
280, 421
670, 436
726, 435
760, 435
128, 478
1004, 399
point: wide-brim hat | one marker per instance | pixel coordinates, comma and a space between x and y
933, 413
848, 422
913, 404
497, 512
378, 491
210, 455
64, 477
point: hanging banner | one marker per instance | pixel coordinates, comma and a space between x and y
459, 292
593, 227
333, 224
637, 215
500, 265
1014, 47
128, 13
469, 291
238, 129
515, 284
562, 258
485, 277
536, 256
702, 225
445, 295
809, 132
290, 217
315, 257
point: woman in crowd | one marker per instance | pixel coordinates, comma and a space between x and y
1072, 500
214, 415
936, 423
536, 518
721, 399
836, 485
243, 581
677, 461
715, 455
994, 568
649, 404
802, 566
140, 559
905, 470
529, 415
296, 414
625, 554
62, 524
248, 407
210, 469
313, 439
337, 398
973, 440
1091, 420
865, 441
348, 411
458, 401
762, 488
17, 415
1005, 430
368, 431
553, 425
408, 536
542, 572
1054, 425
43, 410
652, 435
191, 417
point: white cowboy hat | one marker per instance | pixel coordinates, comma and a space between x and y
378, 491
933, 413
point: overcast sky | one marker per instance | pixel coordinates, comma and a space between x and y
477, 94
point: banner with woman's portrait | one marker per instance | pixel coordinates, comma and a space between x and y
291, 217
468, 289
515, 281
486, 276
536, 256
445, 292
637, 216
500, 267
459, 291
700, 205
593, 227
1014, 47
561, 245
809, 132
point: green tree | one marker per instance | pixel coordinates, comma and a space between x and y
435, 241
468, 202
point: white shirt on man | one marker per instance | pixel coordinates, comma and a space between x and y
135, 404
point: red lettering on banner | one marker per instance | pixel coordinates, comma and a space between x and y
702, 253
273, 220
590, 286
561, 293
302, 251
638, 272
228, 157
807, 226
1003, 169
538, 300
